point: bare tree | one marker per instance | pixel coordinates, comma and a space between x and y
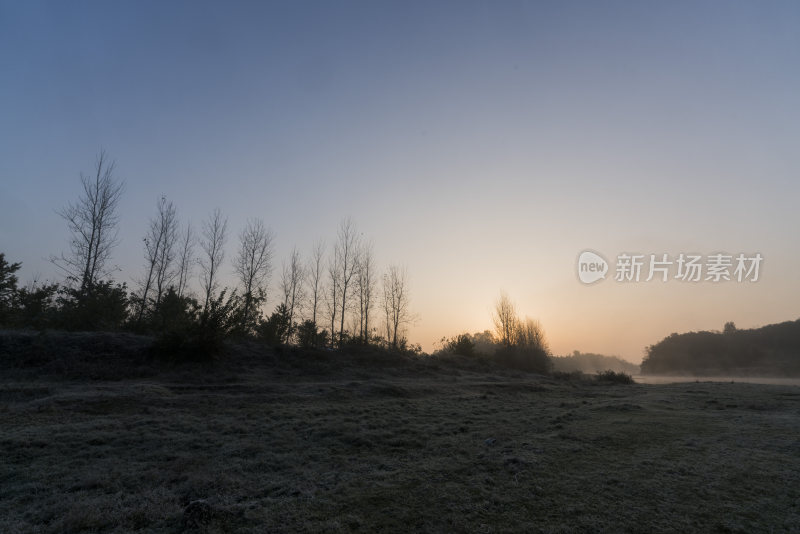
159, 245
523, 342
185, 259
395, 303
165, 272
292, 287
365, 285
505, 320
332, 297
530, 334
346, 256
215, 230
315, 272
93, 223
253, 265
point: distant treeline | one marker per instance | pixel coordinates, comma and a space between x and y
587, 362
772, 350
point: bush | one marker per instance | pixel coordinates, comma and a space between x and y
530, 359
175, 312
102, 307
189, 336
309, 336
611, 377
275, 328
462, 344
406, 348
35, 307
569, 376
8, 288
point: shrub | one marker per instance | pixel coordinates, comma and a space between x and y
275, 328
35, 307
8, 288
530, 359
189, 336
462, 344
569, 376
104, 306
309, 336
611, 377
175, 312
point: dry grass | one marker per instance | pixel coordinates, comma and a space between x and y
310, 447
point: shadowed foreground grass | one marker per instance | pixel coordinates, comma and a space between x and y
455, 451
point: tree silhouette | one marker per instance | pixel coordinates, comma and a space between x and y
159, 246
292, 288
185, 259
395, 303
215, 232
315, 272
92, 222
365, 286
505, 319
8, 287
346, 256
253, 265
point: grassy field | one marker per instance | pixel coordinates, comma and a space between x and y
299, 443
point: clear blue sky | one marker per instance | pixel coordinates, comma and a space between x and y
483, 145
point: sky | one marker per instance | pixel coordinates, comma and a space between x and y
482, 145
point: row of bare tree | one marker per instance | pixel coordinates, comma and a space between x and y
339, 289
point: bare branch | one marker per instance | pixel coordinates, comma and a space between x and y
292, 288
505, 320
316, 272
396, 303
346, 254
215, 230
159, 251
253, 265
93, 224
365, 285
185, 259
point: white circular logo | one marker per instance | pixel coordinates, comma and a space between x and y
591, 267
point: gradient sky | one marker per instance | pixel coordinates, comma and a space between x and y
483, 145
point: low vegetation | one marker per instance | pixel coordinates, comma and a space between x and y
367, 440
604, 377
